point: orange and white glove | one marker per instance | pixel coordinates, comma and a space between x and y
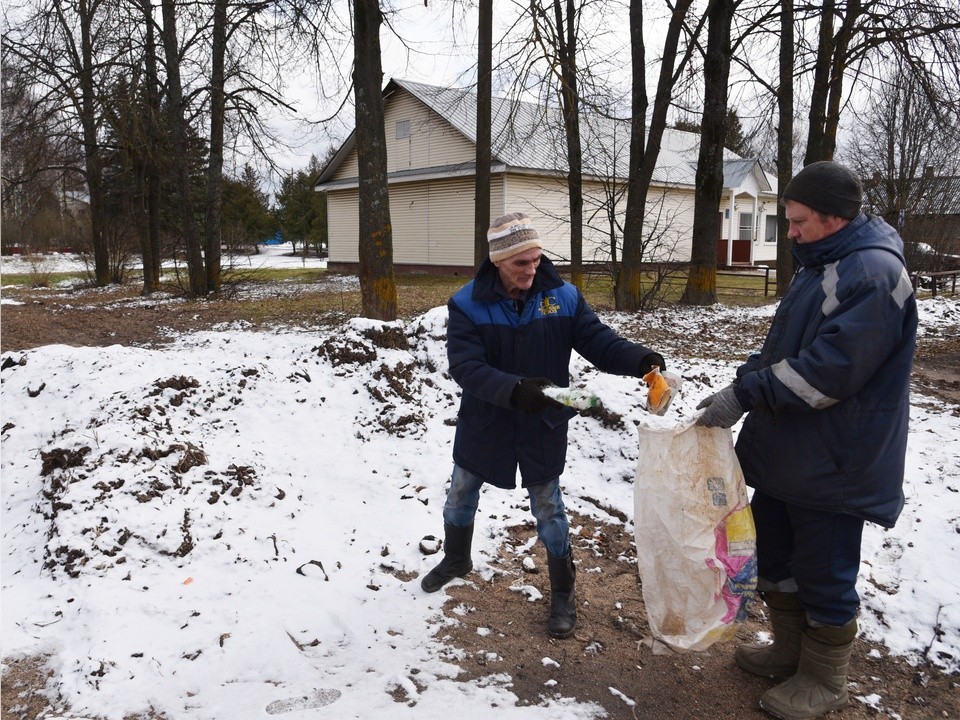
661, 388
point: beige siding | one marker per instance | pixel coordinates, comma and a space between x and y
432, 222
545, 201
669, 218
432, 142
343, 226
669, 224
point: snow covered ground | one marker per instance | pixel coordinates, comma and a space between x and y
227, 527
270, 256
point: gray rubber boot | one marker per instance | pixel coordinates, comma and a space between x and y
456, 558
779, 659
563, 605
820, 684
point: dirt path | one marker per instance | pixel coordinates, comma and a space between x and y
606, 661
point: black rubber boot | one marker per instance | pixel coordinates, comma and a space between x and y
781, 658
456, 558
563, 605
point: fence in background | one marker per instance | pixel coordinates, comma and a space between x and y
936, 282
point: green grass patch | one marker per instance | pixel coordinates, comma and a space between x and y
267, 275
41, 279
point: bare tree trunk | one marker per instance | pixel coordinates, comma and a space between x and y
701, 286
831, 63
178, 133
785, 260
484, 150
215, 167
627, 285
570, 104
89, 114
821, 84
643, 157
377, 287
150, 226
837, 70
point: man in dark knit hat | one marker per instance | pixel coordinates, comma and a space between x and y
510, 334
824, 443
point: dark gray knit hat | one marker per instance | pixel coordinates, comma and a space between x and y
828, 187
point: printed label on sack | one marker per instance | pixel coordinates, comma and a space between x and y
741, 534
718, 491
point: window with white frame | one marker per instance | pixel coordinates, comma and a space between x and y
746, 226
770, 231
403, 129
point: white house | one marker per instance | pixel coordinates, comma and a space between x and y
431, 153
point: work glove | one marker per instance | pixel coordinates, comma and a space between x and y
722, 409
650, 361
662, 387
528, 397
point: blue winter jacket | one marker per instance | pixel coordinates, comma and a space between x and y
830, 390
491, 347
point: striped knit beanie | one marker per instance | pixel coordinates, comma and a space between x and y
511, 234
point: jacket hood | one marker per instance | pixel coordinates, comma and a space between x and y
485, 281
864, 232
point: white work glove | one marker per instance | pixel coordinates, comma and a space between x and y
722, 409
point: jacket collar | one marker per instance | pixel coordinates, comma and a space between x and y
864, 231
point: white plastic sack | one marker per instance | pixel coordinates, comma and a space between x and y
696, 542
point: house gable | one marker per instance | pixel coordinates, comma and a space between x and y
417, 139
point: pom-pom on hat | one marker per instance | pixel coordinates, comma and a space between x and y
828, 187
511, 234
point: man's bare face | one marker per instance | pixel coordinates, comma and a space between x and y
517, 271
809, 226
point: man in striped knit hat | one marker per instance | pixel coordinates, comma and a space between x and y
510, 334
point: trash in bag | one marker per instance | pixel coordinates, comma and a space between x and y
696, 542
662, 387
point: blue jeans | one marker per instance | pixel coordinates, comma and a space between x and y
814, 552
546, 504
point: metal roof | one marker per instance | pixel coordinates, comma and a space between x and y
528, 136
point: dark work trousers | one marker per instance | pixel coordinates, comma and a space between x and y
819, 550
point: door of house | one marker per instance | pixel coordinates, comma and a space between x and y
741, 246
721, 243
741, 251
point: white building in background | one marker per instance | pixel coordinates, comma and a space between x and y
431, 153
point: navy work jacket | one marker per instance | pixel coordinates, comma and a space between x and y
830, 389
492, 345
